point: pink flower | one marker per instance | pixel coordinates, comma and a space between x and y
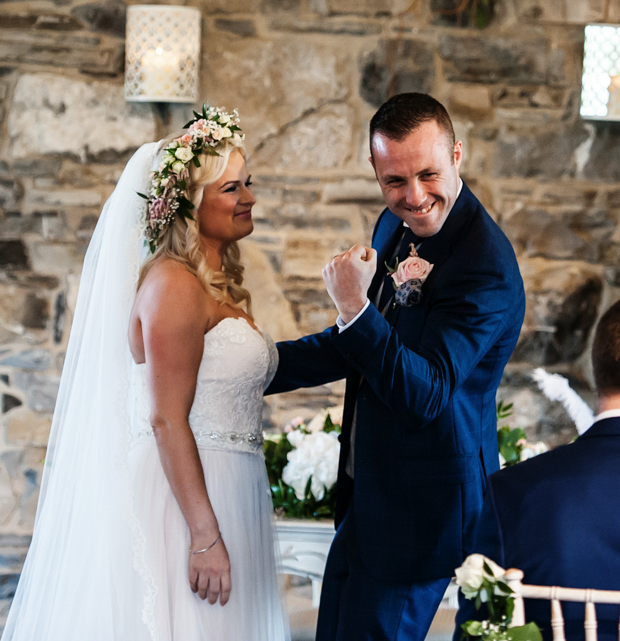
186, 139
412, 268
297, 421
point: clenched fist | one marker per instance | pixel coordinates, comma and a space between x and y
348, 278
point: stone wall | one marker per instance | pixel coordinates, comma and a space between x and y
306, 76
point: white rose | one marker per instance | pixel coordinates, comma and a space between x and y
184, 153
224, 118
164, 182
216, 133
226, 132
177, 167
295, 438
469, 576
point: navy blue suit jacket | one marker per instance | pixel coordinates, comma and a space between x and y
424, 380
557, 518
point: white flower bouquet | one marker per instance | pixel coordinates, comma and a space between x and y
302, 464
483, 580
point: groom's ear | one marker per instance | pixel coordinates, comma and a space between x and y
458, 153
372, 162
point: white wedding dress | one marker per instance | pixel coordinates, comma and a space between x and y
226, 419
109, 554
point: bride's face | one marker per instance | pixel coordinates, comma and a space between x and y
225, 213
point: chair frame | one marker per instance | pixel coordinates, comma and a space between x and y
513, 578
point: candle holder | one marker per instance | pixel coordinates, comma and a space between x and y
600, 88
162, 53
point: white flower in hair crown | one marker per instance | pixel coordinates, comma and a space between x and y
166, 197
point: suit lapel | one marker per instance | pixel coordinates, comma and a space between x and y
388, 234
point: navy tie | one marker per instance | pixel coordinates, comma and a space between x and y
403, 253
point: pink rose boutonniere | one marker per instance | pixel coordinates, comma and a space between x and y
409, 277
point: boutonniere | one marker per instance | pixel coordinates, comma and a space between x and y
408, 278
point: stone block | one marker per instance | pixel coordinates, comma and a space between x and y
10, 193
36, 167
103, 17
565, 235
22, 307
274, 6
57, 258
209, 7
563, 300
40, 390
28, 428
304, 257
531, 153
353, 190
332, 27
32, 467
32, 359
26, 21
8, 585
613, 11
562, 11
396, 66
13, 254
8, 495
9, 402
372, 8
243, 28
270, 308
57, 103
494, 59
528, 98
470, 101
604, 147
39, 198
320, 140
62, 50
276, 83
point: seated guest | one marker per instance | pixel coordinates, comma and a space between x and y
557, 516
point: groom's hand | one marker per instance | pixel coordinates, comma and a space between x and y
348, 278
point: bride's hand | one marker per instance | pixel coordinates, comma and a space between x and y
209, 573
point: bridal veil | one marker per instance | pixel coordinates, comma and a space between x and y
87, 553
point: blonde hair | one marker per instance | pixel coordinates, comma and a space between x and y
180, 241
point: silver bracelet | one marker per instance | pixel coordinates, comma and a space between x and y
207, 549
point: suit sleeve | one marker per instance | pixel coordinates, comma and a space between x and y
307, 362
487, 541
469, 314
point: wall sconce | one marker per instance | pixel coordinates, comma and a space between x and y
162, 51
600, 88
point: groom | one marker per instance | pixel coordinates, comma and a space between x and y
419, 426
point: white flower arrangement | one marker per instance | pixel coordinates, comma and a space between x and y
302, 464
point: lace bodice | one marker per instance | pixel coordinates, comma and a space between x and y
238, 363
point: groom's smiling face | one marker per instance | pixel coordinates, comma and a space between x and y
419, 176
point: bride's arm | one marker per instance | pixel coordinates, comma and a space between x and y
174, 319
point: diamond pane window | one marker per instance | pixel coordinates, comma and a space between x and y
162, 49
600, 89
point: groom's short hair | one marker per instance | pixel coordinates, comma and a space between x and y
405, 112
606, 352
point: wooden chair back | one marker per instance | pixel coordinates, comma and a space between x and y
513, 578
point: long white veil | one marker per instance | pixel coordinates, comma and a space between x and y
85, 558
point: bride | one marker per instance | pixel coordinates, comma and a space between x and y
154, 519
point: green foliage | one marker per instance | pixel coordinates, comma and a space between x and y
509, 441
285, 501
498, 597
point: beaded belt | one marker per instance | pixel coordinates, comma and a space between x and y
210, 436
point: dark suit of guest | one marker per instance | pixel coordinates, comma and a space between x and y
557, 518
422, 381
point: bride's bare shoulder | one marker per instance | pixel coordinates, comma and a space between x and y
170, 288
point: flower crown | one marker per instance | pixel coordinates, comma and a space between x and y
206, 132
